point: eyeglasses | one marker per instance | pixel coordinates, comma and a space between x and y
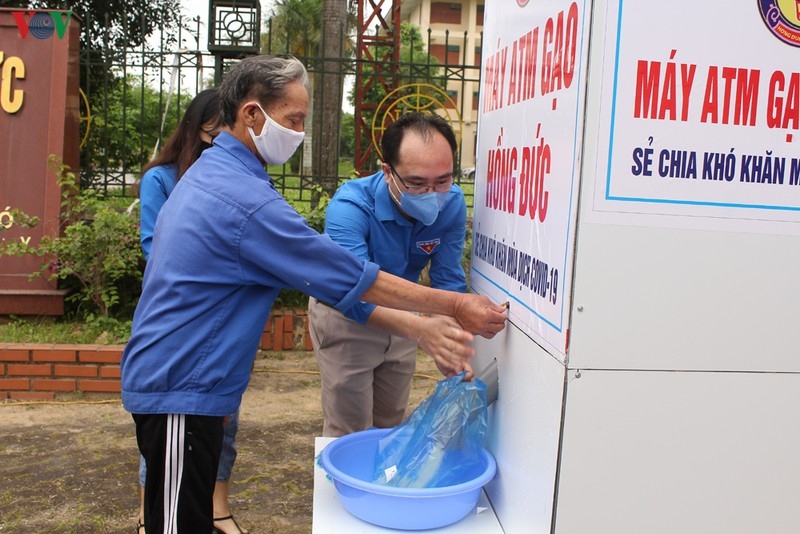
442, 184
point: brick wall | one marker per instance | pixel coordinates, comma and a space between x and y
41, 371
286, 330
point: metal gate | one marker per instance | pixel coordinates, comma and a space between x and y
133, 98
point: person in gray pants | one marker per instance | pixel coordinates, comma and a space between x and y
408, 216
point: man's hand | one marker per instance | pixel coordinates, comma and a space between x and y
479, 315
475, 313
450, 346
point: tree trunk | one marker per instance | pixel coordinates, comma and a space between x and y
327, 104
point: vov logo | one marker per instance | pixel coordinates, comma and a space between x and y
43, 24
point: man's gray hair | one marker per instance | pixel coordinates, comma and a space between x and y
261, 78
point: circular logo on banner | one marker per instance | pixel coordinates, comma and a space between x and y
522, 3
782, 17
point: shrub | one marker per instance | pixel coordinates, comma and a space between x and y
96, 254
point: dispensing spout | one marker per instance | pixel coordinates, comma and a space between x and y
489, 377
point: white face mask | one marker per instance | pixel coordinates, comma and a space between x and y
275, 143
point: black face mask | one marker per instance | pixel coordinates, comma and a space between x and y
204, 145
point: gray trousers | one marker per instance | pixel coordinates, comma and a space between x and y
366, 373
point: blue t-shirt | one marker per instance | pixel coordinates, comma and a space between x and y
225, 243
154, 188
364, 219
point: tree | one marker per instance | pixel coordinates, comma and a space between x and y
294, 28
109, 31
316, 30
328, 91
127, 127
115, 25
347, 143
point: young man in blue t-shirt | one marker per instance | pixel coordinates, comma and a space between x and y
407, 216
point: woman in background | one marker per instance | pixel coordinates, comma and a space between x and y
195, 133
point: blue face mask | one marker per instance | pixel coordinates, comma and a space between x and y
424, 207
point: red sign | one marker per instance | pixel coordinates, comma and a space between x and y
39, 117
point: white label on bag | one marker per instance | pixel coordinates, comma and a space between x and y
390, 472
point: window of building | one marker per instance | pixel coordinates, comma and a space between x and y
453, 94
453, 54
476, 98
445, 13
477, 58
479, 16
449, 55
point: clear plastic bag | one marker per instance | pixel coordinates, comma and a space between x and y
440, 441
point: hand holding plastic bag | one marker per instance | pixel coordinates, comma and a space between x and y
440, 440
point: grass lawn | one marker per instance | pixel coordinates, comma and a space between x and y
58, 330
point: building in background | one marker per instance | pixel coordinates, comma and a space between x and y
454, 39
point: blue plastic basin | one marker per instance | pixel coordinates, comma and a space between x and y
350, 461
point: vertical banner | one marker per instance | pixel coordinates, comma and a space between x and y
530, 128
699, 127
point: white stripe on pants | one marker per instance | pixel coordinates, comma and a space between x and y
173, 470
